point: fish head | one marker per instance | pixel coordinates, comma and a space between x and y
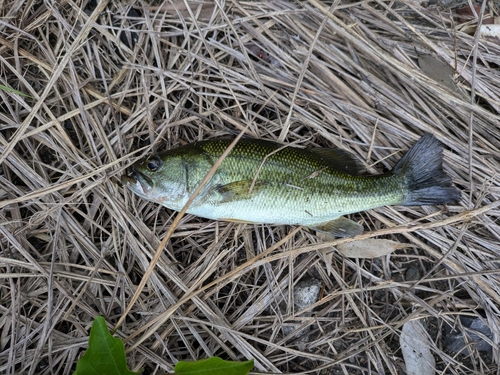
159, 179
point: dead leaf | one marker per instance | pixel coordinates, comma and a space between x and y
328, 257
490, 33
369, 248
416, 349
438, 71
465, 14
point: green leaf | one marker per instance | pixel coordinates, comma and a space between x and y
213, 366
8, 89
105, 355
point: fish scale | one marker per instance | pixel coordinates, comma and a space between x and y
301, 199
265, 182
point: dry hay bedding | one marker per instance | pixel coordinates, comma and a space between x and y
75, 245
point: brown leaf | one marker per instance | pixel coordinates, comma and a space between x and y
369, 248
438, 71
466, 14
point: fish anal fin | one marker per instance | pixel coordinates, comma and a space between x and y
239, 190
340, 160
341, 227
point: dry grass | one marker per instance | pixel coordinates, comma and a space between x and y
74, 244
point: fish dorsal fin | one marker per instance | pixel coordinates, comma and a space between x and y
239, 190
340, 160
341, 227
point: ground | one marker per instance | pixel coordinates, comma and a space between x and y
88, 88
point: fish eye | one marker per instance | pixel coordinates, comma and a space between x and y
154, 164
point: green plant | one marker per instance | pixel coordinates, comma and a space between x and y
106, 355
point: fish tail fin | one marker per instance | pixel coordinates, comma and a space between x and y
426, 180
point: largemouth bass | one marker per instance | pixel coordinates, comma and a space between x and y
267, 182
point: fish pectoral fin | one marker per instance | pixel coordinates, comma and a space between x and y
240, 190
340, 227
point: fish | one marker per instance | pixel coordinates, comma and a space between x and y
264, 182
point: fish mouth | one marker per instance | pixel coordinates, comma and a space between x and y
135, 179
